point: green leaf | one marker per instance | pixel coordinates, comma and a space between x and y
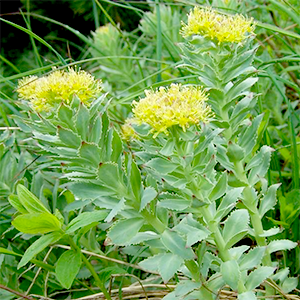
15, 202
67, 267
95, 130
269, 200
117, 147
252, 259
270, 232
193, 230
161, 165
149, 194
168, 265
168, 148
290, 207
29, 201
36, 223
68, 137
38, 246
136, 181
248, 138
151, 263
220, 188
91, 152
263, 158
173, 201
117, 208
247, 296
142, 237
228, 202
89, 190
9, 252
65, 114
82, 119
123, 231
109, 175
85, 219
231, 273
281, 245
239, 89
257, 276
236, 226
174, 243
289, 284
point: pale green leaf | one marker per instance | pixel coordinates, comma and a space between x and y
85, 219
257, 276
252, 259
231, 273
281, 245
236, 226
168, 265
149, 194
269, 200
174, 243
161, 165
123, 231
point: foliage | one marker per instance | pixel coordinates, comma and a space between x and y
181, 176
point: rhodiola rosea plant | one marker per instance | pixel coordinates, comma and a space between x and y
184, 176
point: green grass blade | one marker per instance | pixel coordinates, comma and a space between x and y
158, 40
10, 64
292, 132
30, 33
28, 24
96, 15
278, 30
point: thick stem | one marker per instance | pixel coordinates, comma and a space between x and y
256, 222
153, 221
215, 230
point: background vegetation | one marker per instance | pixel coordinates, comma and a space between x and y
137, 51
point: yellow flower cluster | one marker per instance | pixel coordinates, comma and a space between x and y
128, 131
48, 91
176, 105
210, 24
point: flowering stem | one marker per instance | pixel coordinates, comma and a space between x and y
257, 225
213, 227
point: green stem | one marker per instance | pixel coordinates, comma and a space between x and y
99, 283
214, 228
251, 205
153, 221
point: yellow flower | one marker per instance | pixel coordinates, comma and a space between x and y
176, 105
210, 24
128, 131
47, 92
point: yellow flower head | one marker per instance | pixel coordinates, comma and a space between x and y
128, 131
47, 92
210, 24
176, 105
